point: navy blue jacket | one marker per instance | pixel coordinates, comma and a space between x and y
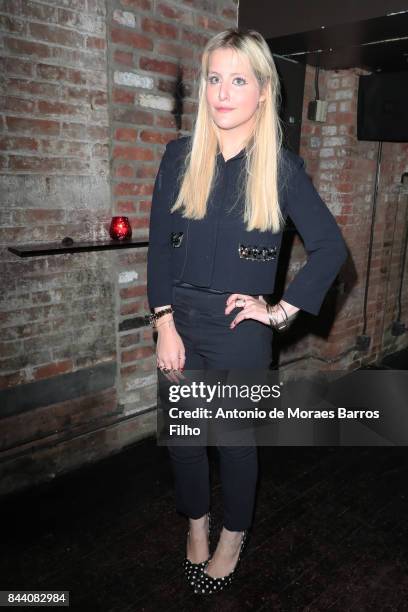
218, 252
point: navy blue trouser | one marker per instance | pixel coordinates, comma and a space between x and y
210, 344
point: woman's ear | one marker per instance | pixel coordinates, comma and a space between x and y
262, 96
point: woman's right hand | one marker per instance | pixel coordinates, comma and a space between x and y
170, 351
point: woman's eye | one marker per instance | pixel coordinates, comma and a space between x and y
243, 82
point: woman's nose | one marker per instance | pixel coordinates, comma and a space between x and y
223, 92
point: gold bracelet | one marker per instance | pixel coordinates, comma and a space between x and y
279, 326
271, 311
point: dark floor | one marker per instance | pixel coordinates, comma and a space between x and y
330, 533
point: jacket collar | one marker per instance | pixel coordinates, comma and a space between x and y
237, 156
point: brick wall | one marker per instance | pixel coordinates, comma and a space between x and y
343, 170
93, 91
154, 59
58, 341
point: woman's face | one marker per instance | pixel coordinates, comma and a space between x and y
232, 85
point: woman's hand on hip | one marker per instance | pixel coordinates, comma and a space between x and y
250, 308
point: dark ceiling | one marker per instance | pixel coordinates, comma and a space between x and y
375, 44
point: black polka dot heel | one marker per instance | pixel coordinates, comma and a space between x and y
207, 585
192, 570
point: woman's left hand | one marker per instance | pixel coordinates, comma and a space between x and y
254, 308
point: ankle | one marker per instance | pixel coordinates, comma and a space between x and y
199, 525
231, 536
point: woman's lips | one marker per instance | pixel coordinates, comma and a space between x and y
224, 110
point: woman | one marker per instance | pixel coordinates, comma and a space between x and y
219, 206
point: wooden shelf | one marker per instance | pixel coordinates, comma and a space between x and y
56, 248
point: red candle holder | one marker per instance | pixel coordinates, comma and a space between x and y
120, 228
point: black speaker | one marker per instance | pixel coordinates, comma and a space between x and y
382, 112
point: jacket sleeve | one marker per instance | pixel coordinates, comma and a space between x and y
159, 281
323, 242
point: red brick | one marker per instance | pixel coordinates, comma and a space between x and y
158, 27
98, 98
132, 115
137, 153
345, 187
145, 206
144, 5
125, 134
168, 48
131, 292
123, 96
129, 340
26, 47
94, 42
56, 35
156, 137
190, 107
139, 353
131, 308
36, 164
195, 38
125, 37
166, 121
73, 18
170, 12
75, 94
16, 66
125, 372
97, 133
78, 77
31, 87
138, 222
8, 143
145, 171
54, 73
126, 206
123, 57
53, 369
208, 23
19, 105
132, 189
35, 126
57, 108
11, 380
153, 65
40, 12
73, 130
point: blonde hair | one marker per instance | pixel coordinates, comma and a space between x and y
262, 209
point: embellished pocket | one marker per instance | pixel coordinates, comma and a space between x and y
257, 253
176, 239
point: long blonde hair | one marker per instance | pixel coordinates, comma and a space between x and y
262, 209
